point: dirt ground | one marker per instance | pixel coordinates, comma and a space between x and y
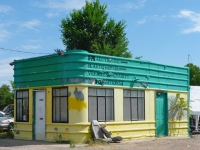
163, 143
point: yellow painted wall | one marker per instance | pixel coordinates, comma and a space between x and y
79, 129
48, 105
78, 108
150, 105
118, 105
177, 128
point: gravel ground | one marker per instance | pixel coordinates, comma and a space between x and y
164, 143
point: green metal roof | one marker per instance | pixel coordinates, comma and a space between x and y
81, 67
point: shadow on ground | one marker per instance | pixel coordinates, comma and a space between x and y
14, 142
196, 133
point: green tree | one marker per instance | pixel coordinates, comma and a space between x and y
6, 96
194, 74
90, 29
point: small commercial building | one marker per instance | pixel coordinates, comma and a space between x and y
57, 97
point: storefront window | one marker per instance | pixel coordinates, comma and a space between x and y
22, 106
101, 104
134, 105
60, 105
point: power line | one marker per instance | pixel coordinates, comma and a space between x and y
22, 51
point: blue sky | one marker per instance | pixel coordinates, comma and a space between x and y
160, 31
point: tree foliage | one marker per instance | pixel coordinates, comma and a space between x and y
6, 96
194, 74
90, 29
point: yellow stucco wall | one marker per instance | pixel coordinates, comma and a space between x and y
78, 125
78, 129
177, 128
78, 108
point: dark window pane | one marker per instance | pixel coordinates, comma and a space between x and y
25, 109
140, 93
19, 94
63, 109
101, 104
127, 93
134, 108
92, 108
101, 92
22, 106
56, 92
141, 108
101, 109
109, 92
63, 92
25, 94
136, 111
92, 92
134, 94
126, 108
60, 105
109, 108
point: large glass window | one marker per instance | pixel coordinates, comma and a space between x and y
134, 105
22, 106
60, 105
101, 104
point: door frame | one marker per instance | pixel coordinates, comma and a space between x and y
165, 111
34, 110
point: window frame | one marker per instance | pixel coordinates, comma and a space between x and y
60, 105
18, 120
130, 101
97, 104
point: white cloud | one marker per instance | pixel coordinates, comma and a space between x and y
149, 18
132, 5
144, 20
65, 4
52, 14
128, 6
35, 40
56, 7
5, 9
31, 47
6, 69
4, 34
194, 19
31, 24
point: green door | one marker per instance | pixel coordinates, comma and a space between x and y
161, 114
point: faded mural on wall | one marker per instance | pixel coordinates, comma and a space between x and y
76, 100
177, 114
175, 101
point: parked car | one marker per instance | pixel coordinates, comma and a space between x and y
6, 121
8, 108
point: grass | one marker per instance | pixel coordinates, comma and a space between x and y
91, 142
4, 135
59, 139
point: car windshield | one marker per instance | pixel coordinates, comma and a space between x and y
5, 109
1, 114
10, 114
